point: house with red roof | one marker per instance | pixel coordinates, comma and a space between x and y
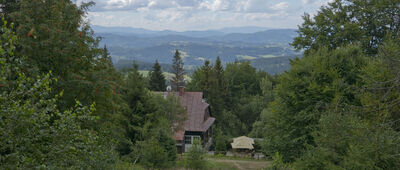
198, 121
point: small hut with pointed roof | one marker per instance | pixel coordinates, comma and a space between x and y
243, 143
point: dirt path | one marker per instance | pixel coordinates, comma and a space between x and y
237, 165
243, 164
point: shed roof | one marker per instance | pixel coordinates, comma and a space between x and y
243, 142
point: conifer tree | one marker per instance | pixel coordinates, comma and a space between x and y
206, 82
106, 54
157, 79
179, 72
219, 71
218, 91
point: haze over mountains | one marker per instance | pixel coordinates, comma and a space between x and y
267, 49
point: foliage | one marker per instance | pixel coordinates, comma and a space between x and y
234, 94
259, 129
242, 79
157, 79
344, 141
345, 22
203, 79
379, 95
195, 157
151, 119
278, 164
178, 71
318, 79
55, 37
171, 109
154, 155
220, 141
35, 134
162, 133
210, 80
338, 105
244, 102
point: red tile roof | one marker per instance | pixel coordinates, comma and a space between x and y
196, 107
179, 135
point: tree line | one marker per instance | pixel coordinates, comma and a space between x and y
337, 107
63, 105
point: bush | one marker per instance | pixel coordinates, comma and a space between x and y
154, 155
221, 141
348, 142
220, 144
195, 157
278, 164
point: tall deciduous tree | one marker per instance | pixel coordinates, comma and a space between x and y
34, 133
56, 38
234, 94
157, 79
313, 82
345, 22
178, 71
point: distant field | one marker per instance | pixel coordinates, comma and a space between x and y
268, 56
167, 75
246, 57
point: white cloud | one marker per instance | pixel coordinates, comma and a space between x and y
215, 5
280, 6
201, 14
316, 2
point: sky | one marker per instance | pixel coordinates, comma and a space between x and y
184, 15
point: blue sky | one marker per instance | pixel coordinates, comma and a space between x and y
182, 15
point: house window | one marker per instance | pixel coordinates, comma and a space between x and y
188, 139
191, 139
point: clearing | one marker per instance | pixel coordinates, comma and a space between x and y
217, 163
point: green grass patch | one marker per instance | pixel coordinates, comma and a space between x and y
180, 164
167, 75
128, 166
220, 156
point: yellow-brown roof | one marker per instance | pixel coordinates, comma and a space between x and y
243, 142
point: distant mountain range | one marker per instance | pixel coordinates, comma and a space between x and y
256, 44
145, 32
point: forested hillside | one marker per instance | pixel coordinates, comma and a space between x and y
126, 45
64, 105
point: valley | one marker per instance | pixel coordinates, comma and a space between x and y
267, 50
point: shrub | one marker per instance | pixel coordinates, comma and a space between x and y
154, 155
278, 164
195, 157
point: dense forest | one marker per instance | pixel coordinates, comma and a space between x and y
63, 104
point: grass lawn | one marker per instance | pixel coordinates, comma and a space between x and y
228, 163
238, 164
213, 162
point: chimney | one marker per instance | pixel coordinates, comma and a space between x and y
181, 90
